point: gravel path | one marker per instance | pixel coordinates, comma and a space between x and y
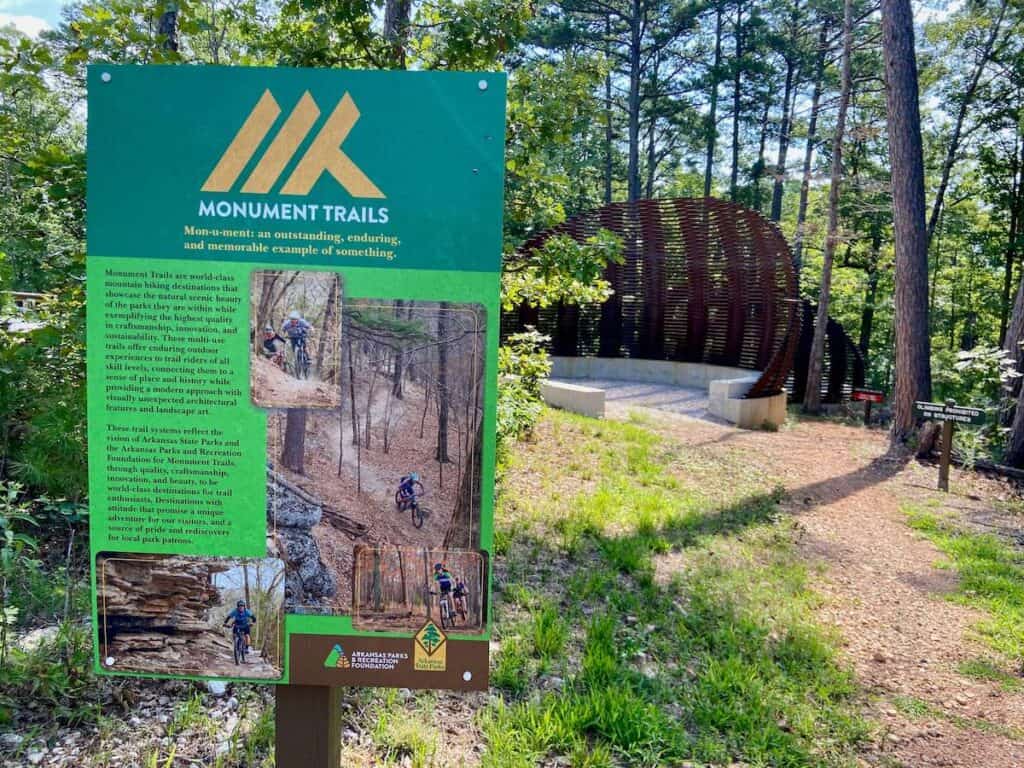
882, 590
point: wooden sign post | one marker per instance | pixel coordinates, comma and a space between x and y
308, 726
868, 397
949, 413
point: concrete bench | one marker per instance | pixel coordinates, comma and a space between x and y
725, 400
577, 398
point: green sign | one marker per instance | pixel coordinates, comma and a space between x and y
292, 336
950, 411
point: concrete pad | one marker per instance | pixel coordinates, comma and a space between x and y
588, 401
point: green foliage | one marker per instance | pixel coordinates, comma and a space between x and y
722, 665
991, 575
979, 377
16, 549
562, 270
523, 356
56, 677
550, 632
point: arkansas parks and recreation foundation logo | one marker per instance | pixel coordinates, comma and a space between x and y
337, 659
430, 649
324, 154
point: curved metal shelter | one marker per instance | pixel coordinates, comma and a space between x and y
844, 368
703, 281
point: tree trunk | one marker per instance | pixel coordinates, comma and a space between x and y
396, 29
736, 83
327, 337
954, 141
812, 136
464, 529
812, 395
633, 106
399, 369
759, 169
867, 314
293, 455
441, 455
913, 345
426, 582
167, 28
352, 395
778, 186
609, 134
712, 124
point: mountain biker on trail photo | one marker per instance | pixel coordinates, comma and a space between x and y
242, 619
270, 339
407, 486
445, 581
296, 328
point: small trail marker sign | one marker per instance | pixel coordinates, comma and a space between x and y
949, 413
868, 397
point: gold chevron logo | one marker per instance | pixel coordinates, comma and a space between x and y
323, 155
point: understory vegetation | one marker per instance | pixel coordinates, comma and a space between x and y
647, 619
991, 577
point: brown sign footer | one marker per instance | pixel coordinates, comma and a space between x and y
387, 662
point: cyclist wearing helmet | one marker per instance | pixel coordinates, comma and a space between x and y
296, 327
407, 486
242, 619
444, 579
270, 339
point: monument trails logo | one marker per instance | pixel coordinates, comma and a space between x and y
324, 154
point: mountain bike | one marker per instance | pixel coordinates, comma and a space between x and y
299, 361
412, 503
460, 607
239, 644
444, 608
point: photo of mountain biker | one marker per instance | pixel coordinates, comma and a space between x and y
242, 619
296, 328
270, 339
407, 486
444, 579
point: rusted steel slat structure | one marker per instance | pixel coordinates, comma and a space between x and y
703, 280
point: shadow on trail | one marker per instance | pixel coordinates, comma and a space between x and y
724, 666
833, 489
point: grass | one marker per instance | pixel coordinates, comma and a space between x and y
918, 709
991, 575
987, 669
662, 586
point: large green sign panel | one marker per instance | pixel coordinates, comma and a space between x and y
292, 326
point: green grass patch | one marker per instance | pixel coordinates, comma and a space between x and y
991, 575
986, 669
717, 662
918, 709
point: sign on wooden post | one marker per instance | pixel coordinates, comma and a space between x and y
868, 397
950, 414
292, 334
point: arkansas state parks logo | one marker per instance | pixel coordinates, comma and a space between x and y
337, 659
323, 155
430, 648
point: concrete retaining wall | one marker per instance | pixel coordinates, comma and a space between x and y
574, 397
726, 386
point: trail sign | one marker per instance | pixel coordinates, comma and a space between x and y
260, 239
950, 411
867, 395
950, 414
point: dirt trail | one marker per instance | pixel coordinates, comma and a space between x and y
881, 585
273, 388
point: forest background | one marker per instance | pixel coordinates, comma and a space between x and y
904, 204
